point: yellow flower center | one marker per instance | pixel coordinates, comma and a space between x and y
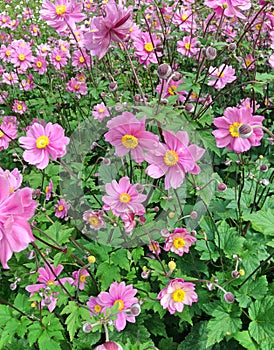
34, 30
39, 64
76, 87
50, 282
58, 58
248, 62
178, 296
60, 207
148, 47
8, 53
187, 46
179, 243
225, 6
234, 129
184, 17
60, 9
97, 308
21, 57
11, 189
101, 110
82, 278
9, 77
120, 303
221, 75
94, 221
42, 141
81, 59
153, 247
124, 198
258, 26
19, 107
194, 95
130, 141
171, 158
172, 89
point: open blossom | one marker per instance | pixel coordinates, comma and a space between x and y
16, 208
100, 112
179, 241
128, 134
43, 143
171, 88
58, 58
80, 59
80, 278
187, 46
123, 198
235, 129
145, 45
76, 86
94, 219
221, 76
186, 19
21, 55
109, 345
229, 8
40, 64
8, 131
249, 62
122, 295
94, 305
62, 14
19, 107
47, 278
14, 178
48, 190
61, 209
174, 159
177, 294
114, 26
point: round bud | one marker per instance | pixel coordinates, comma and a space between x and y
109, 345
235, 274
137, 98
87, 327
189, 108
91, 259
245, 131
171, 265
113, 86
221, 187
210, 286
47, 301
176, 76
264, 182
232, 47
13, 286
139, 188
171, 215
235, 256
31, 254
164, 71
193, 215
135, 309
165, 233
263, 168
229, 297
145, 275
193, 233
211, 53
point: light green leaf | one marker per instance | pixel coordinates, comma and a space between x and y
262, 221
244, 339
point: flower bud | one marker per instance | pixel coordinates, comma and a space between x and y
245, 131
139, 188
47, 301
210, 286
232, 47
263, 168
221, 187
264, 182
113, 86
211, 53
235, 274
91, 259
229, 297
164, 71
31, 255
189, 108
135, 309
145, 274
176, 76
165, 233
171, 265
13, 286
193, 215
109, 345
87, 327
137, 98
106, 161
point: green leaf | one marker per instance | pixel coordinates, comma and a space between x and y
244, 339
262, 221
262, 327
137, 254
5, 314
107, 273
34, 332
120, 258
256, 289
73, 321
47, 343
230, 242
197, 336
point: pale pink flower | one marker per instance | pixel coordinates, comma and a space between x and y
10, 78
21, 56
248, 103
40, 64
58, 58
94, 305
27, 84
4, 21
80, 59
109, 345
177, 294
187, 46
114, 26
174, 159
229, 8
129, 222
100, 112
16, 208
5, 53
62, 14
80, 278
128, 134
47, 279
123, 296
34, 30
248, 62
145, 45
79, 88
43, 143
94, 219
19, 107
14, 178
235, 129
179, 241
61, 209
221, 76
48, 190
186, 19
8, 131
123, 198
170, 88
154, 247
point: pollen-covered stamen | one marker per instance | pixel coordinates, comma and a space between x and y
42, 141
82, 278
149, 47
60, 10
179, 243
50, 282
21, 57
171, 158
97, 308
245, 131
94, 221
234, 129
1, 134
130, 141
120, 303
178, 296
125, 198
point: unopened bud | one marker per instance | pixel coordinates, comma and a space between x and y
137, 98
145, 274
87, 327
47, 301
91, 259
189, 108
135, 309
13, 286
139, 188
164, 71
211, 53
165, 233
109, 345
210, 286
171, 265
176, 76
229, 297
235, 274
221, 187
106, 161
245, 131
263, 168
113, 86
232, 47
264, 182
31, 254
193, 215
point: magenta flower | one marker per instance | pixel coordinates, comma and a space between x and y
40, 64
76, 86
16, 208
186, 19
94, 305
187, 46
62, 14
179, 241
219, 77
177, 294
145, 45
237, 129
122, 295
47, 278
249, 62
14, 178
61, 209
58, 58
41, 143
128, 134
271, 61
174, 159
21, 56
114, 26
100, 112
170, 88
123, 198
229, 8
80, 278
8, 131
109, 345
94, 219
48, 190
19, 107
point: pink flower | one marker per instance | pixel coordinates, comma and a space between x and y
235, 129
94, 305
16, 208
62, 14
34, 30
14, 178
80, 278
271, 61
100, 112
249, 62
48, 190
19, 107
177, 294
94, 219
174, 159
41, 143
109, 345
219, 77
40, 64
170, 88
185, 18
58, 58
61, 209
122, 295
48, 278
80, 59
123, 198
10, 78
76, 86
154, 247
21, 56
145, 45
179, 241
187, 46
229, 8
128, 134
129, 222
8, 131
114, 26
